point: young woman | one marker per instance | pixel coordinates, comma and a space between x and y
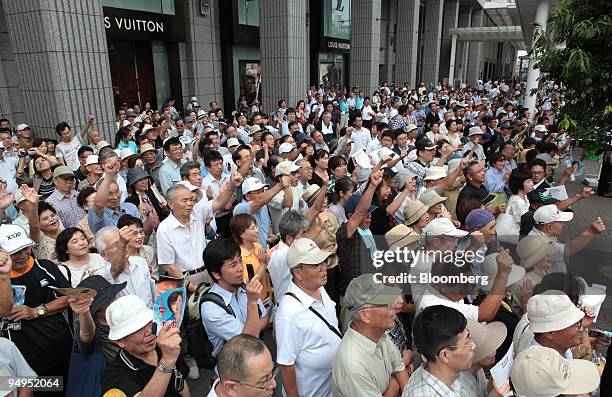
343, 191
319, 162
143, 197
245, 232
381, 222
300, 112
338, 168
453, 136
43, 177
72, 250
520, 185
124, 140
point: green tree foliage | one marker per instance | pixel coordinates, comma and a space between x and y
576, 50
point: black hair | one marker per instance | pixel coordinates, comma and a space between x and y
528, 142
83, 194
536, 162
84, 149
61, 127
317, 155
44, 206
335, 162
129, 220
435, 328
209, 156
494, 158
389, 134
171, 142
61, 242
568, 283
517, 178
218, 251
343, 185
236, 155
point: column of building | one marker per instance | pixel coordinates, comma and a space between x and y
474, 64
200, 55
284, 64
431, 42
365, 44
450, 20
407, 36
62, 63
533, 74
465, 20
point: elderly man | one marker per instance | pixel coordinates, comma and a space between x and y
549, 224
474, 176
181, 237
245, 369
63, 198
368, 364
94, 172
147, 364
285, 199
306, 327
473, 148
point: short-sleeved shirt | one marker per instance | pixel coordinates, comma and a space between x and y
424, 384
68, 210
70, 152
110, 217
169, 174
304, 341
557, 254
221, 326
279, 271
183, 246
130, 374
251, 262
8, 170
262, 217
432, 297
138, 280
354, 257
362, 368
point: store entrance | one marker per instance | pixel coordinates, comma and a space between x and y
132, 72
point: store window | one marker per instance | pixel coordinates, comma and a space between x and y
331, 70
157, 6
337, 19
248, 12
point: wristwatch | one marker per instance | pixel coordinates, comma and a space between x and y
163, 369
41, 310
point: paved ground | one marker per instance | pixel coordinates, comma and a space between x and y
594, 264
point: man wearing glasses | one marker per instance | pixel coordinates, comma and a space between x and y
245, 369
368, 364
440, 334
305, 324
147, 363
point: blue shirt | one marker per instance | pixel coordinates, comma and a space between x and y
110, 217
130, 145
262, 217
359, 102
169, 174
494, 180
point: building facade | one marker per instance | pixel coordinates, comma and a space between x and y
64, 59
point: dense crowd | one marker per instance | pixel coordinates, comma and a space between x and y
394, 245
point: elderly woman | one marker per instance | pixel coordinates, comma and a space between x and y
72, 250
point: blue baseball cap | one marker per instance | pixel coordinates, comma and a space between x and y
351, 204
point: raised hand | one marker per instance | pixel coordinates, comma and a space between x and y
5, 262
504, 262
80, 305
29, 194
254, 288
169, 342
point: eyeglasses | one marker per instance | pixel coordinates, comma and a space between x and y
470, 343
319, 266
577, 325
268, 380
390, 306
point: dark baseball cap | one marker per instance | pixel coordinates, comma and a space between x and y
425, 144
106, 291
351, 204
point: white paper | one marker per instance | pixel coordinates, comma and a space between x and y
362, 159
558, 192
500, 372
593, 297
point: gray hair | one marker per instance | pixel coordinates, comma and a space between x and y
174, 189
106, 154
188, 166
291, 223
232, 360
100, 237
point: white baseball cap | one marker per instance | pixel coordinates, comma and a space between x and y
434, 173
540, 128
127, 315
201, 114
393, 113
286, 165
252, 184
475, 131
443, 227
550, 213
550, 311
233, 142
23, 126
540, 371
13, 238
285, 148
125, 123
488, 268
92, 159
192, 188
305, 251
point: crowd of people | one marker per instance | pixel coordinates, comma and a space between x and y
393, 245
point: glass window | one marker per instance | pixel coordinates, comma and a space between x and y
331, 70
337, 19
160, 67
157, 6
248, 12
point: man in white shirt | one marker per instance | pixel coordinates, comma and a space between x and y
285, 199
305, 324
360, 136
181, 237
211, 185
67, 149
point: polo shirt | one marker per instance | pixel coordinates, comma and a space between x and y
470, 190
304, 341
183, 246
169, 174
110, 217
424, 384
221, 326
130, 375
262, 217
362, 367
138, 278
494, 180
279, 271
360, 139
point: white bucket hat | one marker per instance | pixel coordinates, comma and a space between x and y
552, 311
127, 315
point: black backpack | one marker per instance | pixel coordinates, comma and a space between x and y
199, 346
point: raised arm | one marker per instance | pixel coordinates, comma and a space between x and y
364, 204
85, 127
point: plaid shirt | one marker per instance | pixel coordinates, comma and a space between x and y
68, 210
424, 384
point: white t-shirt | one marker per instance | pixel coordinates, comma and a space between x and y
70, 152
432, 297
279, 271
365, 113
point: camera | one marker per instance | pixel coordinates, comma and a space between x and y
31, 152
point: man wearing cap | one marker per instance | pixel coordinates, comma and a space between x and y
473, 146
285, 199
94, 172
305, 324
24, 136
367, 363
181, 236
169, 173
549, 224
255, 200
63, 198
39, 327
426, 152
147, 363
152, 165
442, 336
